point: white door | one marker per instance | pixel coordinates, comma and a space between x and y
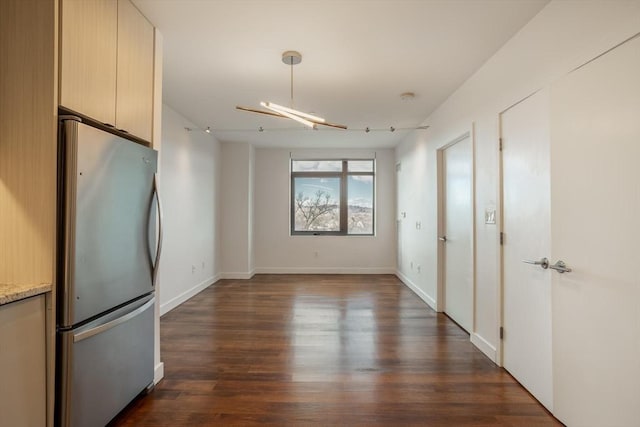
595, 224
526, 343
457, 161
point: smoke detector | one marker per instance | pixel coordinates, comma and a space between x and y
407, 96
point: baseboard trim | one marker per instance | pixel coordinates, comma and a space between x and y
158, 373
324, 270
485, 347
422, 294
238, 275
189, 293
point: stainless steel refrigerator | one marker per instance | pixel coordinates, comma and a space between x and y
108, 258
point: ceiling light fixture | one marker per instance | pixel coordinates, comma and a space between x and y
293, 116
292, 58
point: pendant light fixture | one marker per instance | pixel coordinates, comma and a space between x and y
291, 58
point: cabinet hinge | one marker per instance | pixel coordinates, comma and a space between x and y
501, 332
501, 238
500, 144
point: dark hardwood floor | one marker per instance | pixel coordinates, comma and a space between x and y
324, 350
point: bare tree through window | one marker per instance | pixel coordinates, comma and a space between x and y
310, 210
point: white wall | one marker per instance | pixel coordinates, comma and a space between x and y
237, 211
564, 35
412, 206
190, 189
276, 251
251, 214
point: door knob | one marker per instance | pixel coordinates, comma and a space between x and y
544, 262
560, 267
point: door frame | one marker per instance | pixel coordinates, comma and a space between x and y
500, 223
441, 262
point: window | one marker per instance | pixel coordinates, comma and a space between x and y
332, 197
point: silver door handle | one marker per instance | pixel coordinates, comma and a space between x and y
560, 267
156, 264
544, 262
443, 238
112, 324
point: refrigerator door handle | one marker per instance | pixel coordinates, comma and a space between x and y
113, 323
156, 263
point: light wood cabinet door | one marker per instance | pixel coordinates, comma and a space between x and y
23, 363
88, 57
28, 98
134, 100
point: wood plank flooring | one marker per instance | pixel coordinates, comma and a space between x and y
324, 350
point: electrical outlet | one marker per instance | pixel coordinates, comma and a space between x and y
411, 265
418, 268
315, 254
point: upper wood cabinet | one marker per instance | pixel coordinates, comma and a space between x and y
134, 89
28, 101
88, 58
106, 63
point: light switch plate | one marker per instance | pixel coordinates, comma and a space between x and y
490, 216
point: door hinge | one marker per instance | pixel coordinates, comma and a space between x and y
500, 144
501, 332
501, 238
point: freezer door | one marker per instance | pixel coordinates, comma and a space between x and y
109, 221
105, 364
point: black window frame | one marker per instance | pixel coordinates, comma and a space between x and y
344, 204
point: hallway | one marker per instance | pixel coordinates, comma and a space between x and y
324, 350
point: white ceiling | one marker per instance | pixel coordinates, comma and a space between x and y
358, 56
